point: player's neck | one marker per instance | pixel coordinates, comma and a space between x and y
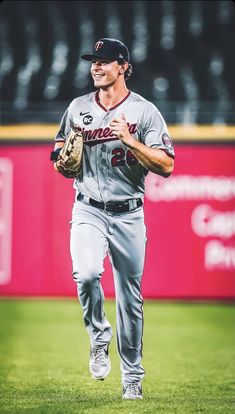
112, 96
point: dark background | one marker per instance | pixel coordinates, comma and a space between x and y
182, 53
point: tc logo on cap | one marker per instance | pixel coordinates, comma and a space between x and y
98, 45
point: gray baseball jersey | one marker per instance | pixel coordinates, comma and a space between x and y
110, 170
112, 173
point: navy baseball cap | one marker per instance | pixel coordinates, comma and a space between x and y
111, 49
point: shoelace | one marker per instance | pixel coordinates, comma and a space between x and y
99, 355
132, 389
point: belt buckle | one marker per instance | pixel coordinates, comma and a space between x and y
118, 207
111, 205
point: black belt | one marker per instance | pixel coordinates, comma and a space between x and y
118, 207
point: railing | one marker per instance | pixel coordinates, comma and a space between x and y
222, 112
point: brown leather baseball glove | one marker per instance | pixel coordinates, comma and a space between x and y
69, 160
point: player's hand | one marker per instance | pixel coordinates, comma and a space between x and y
58, 163
120, 128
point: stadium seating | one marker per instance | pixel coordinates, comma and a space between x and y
182, 53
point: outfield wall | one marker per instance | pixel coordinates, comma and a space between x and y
190, 218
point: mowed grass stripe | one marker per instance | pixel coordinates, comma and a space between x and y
189, 357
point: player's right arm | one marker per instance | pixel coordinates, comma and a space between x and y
57, 148
63, 131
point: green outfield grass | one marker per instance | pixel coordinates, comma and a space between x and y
189, 357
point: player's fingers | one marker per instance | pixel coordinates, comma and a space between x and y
60, 162
112, 126
116, 128
115, 134
119, 120
117, 125
115, 121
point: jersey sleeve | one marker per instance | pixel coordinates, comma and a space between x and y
65, 127
155, 132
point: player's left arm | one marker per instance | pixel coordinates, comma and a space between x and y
153, 159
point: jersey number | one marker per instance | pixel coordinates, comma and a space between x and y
122, 157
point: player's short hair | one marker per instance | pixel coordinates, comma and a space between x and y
128, 72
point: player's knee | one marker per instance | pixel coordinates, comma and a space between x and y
88, 279
87, 276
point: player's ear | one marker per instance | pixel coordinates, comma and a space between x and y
123, 67
121, 70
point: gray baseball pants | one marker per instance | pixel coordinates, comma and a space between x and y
94, 234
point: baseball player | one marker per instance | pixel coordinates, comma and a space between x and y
124, 137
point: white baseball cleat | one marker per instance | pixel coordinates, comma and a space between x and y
99, 362
132, 391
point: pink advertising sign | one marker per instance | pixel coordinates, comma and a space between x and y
190, 219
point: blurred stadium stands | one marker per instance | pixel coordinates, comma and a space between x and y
182, 53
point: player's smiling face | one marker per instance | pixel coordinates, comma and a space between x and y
104, 72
